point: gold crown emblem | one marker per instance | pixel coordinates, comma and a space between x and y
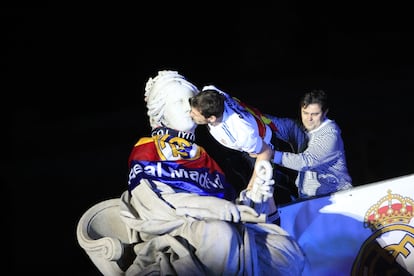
392, 208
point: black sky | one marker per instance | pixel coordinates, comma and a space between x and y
74, 90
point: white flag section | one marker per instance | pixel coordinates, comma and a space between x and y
368, 230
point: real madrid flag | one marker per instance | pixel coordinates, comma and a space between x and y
368, 230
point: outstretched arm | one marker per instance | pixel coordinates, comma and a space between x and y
209, 207
260, 196
266, 155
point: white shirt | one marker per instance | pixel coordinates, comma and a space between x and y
238, 129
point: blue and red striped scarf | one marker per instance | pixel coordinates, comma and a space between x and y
179, 163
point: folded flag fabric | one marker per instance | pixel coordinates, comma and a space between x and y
179, 163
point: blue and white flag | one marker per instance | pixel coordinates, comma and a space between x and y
368, 230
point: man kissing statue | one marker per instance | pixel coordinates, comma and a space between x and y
183, 215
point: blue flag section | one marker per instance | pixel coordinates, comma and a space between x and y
368, 230
179, 163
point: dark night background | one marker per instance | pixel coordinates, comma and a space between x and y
75, 78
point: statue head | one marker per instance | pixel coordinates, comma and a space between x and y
167, 98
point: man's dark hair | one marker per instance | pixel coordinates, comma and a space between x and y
209, 103
315, 97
